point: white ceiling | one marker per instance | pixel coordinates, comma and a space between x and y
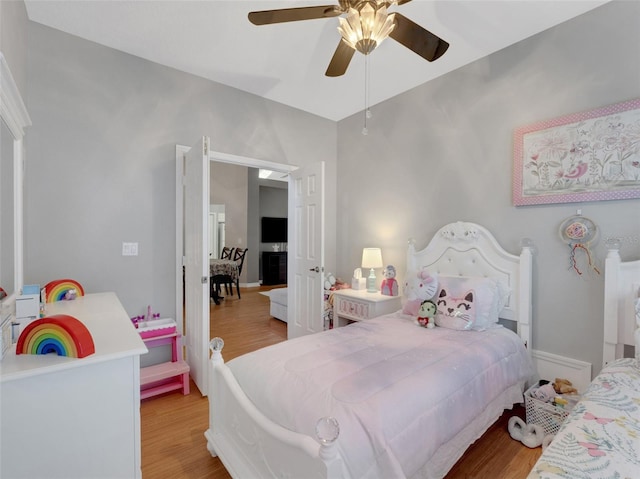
286, 62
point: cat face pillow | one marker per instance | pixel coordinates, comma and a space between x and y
456, 312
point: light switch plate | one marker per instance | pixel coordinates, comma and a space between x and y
129, 249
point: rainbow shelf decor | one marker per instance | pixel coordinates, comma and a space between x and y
60, 334
57, 290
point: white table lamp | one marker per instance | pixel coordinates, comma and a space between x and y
371, 258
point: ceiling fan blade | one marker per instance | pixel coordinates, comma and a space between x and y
402, 2
266, 17
417, 39
340, 60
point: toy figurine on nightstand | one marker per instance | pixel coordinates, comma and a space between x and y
389, 286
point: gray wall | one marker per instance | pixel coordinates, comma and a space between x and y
228, 186
101, 161
443, 152
13, 41
241, 189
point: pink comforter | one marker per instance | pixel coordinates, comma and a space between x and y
409, 400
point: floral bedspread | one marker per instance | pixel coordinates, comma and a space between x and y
601, 436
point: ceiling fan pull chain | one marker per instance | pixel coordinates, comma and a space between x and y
367, 112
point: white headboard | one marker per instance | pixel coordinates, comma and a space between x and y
468, 249
621, 289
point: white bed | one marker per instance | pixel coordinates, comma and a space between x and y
601, 435
621, 287
399, 411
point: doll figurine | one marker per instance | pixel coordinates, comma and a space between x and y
389, 286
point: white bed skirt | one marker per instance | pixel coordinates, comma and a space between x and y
449, 453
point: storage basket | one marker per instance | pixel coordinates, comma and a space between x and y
544, 414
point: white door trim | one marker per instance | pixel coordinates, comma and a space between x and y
213, 156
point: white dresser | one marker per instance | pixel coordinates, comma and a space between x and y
70, 418
360, 305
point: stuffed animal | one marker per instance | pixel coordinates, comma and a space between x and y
418, 287
427, 314
329, 281
564, 386
544, 393
70, 295
389, 286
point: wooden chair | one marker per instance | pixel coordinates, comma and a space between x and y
219, 280
239, 256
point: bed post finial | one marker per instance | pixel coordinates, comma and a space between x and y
216, 346
613, 247
527, 243
411, 251
327, 431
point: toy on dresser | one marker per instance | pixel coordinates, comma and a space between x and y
389, 286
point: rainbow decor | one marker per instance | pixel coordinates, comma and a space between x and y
57, 290
60, 334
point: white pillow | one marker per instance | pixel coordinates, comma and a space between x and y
491, 296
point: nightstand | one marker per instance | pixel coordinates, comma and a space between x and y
359, 305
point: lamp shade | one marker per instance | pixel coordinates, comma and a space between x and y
371, 258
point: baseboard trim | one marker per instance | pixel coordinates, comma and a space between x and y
550, 366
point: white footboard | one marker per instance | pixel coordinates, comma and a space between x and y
250, 445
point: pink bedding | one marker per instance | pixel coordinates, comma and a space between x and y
409, 400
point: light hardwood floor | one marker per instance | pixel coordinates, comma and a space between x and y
173, 425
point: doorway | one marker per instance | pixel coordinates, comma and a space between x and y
306, 210
248, 195
214, 156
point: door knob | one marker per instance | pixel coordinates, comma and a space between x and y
316, 269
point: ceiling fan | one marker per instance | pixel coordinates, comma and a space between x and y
365, 24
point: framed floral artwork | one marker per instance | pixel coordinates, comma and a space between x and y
588, 156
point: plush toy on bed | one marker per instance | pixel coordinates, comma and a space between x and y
427, 314
418, 287
389, 286
456, 312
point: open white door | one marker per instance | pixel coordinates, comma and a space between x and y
306, 251
196, 248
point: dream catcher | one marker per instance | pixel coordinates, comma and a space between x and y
579, 232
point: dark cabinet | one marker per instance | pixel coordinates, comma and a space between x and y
274, 267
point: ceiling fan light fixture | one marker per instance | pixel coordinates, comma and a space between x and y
366, 26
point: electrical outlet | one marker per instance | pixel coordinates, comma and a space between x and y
129, 249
